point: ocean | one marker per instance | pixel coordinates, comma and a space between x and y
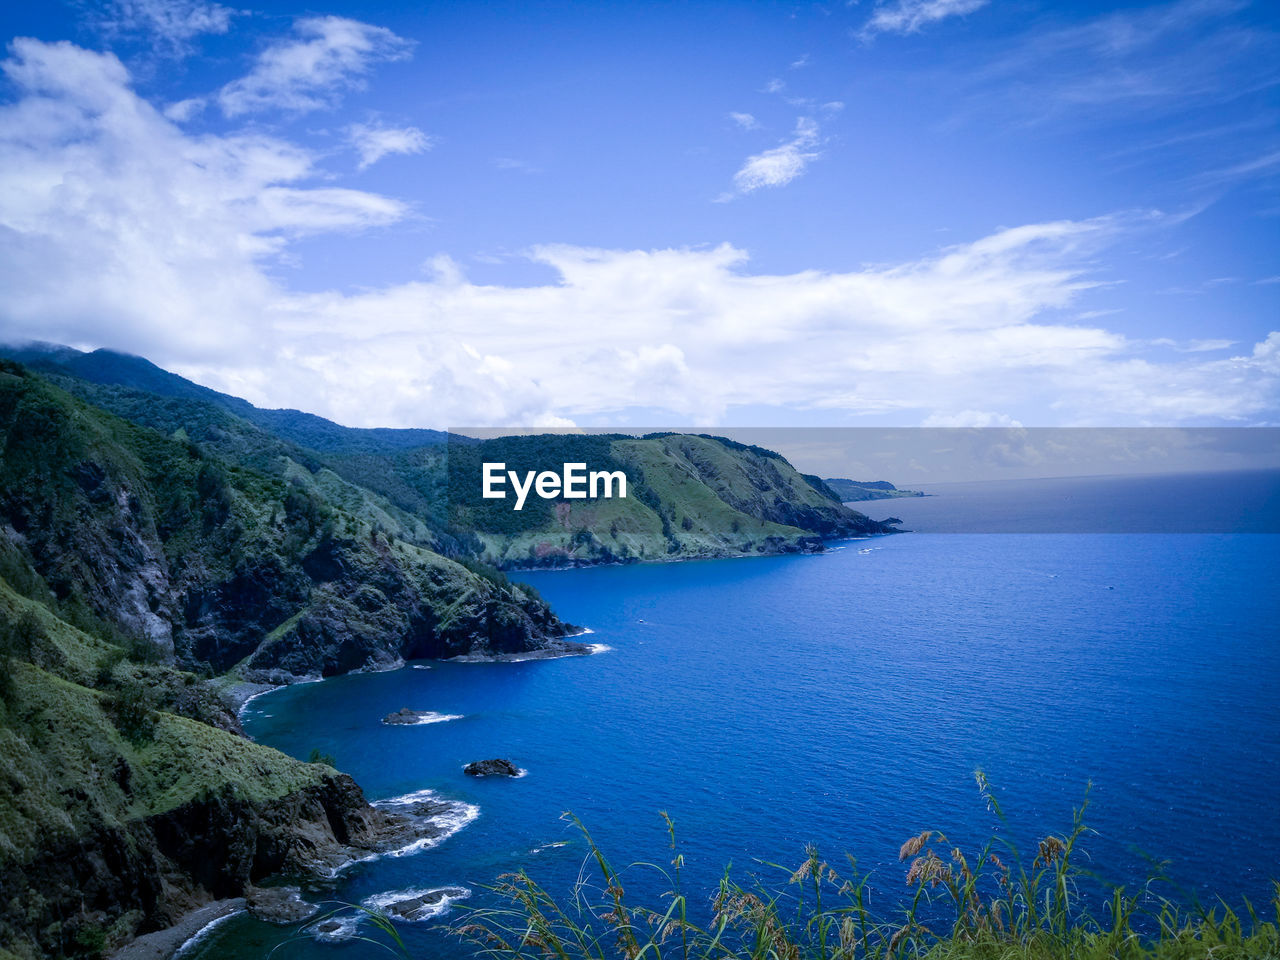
843, 699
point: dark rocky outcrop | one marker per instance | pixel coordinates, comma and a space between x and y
148, 873
405, 717
491, 768
278, 904
423, 906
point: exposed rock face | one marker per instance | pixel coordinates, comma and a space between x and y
492, 768
157, 869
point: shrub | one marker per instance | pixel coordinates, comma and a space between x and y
315, 756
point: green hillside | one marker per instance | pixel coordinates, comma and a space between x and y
290, 573
691, 496
688, 496
134, 565
856, 490
105, 758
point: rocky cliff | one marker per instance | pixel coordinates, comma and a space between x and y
221, 566
127, 796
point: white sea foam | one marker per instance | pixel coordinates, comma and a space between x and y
201, 934
261, 693
426, 716
599, 647
421, 666
549, 846
450, 896
344, 928
520, 772
448, 821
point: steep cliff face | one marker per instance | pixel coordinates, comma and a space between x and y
128, 797
220, 565
122, 880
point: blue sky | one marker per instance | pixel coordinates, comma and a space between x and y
942, 212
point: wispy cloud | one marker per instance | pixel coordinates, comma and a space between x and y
782, 164
745, 120
373, 141
515, 163
1265, 165
910, 16
1167, 56
171, 25
309, 71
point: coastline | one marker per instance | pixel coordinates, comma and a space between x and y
168, 943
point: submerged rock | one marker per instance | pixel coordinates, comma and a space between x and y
491, 768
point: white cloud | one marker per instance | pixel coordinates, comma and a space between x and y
183, 110
775, 86
745, 120
909, 16
782, 164
119, 229
114, 220
171, 24
309, 71
374, 141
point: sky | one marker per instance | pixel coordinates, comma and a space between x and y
898, 213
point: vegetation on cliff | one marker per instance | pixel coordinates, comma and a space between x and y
107, 761
849, 491
133, 534
690, 496
134, 565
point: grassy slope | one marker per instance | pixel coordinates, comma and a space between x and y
88, 493
705, 497
850, 491
66, 760
691, 496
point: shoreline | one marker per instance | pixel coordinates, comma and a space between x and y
695, 557
169, 942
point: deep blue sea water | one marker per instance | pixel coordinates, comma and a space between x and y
843, 699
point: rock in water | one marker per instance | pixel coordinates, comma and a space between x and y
492, 768
425, 905
404, 716
278, 904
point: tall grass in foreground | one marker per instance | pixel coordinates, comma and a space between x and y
990, 903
